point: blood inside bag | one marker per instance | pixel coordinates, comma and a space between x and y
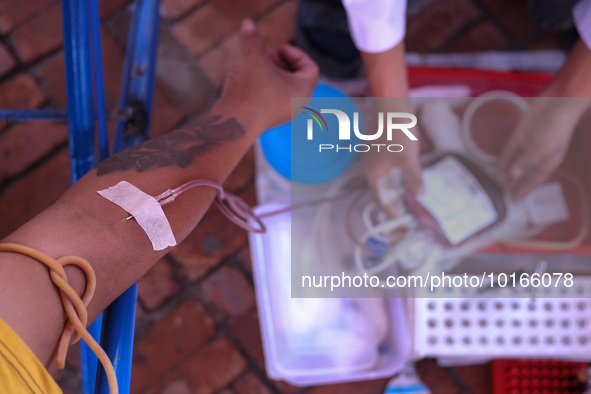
460, 201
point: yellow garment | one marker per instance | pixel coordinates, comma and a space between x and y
20, 370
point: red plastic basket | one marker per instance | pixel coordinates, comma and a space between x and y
537, 376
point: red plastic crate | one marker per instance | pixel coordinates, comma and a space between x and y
537, 376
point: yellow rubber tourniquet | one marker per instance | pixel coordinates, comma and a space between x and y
20, 370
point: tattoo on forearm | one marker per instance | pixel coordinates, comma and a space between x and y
178, 148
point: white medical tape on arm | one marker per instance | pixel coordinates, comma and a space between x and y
145, 209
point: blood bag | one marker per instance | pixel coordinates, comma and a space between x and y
460, 200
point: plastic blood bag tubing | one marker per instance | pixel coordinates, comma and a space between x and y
460, 200
451, 219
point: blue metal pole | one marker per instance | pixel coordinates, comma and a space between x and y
19, 115
136, 94
137, 87
89, 362
117, 340
99, 79
79, 87
80, 126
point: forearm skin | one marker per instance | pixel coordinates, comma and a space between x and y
84, 224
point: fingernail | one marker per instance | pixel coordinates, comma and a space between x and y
248, 26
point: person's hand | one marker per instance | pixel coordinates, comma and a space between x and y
378, 164
265, 82
539, 144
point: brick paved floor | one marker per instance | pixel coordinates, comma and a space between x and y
197, 327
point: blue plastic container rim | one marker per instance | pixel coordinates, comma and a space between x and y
276, 144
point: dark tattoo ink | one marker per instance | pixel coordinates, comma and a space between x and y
178, 148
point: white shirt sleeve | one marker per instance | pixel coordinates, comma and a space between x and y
376, 25
582, 16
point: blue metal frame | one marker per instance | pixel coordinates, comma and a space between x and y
77, 56
118, 325
19, 115
99, 79
79, 87
83, 65
136, 93
137, 87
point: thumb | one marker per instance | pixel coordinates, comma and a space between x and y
413, 178
381, 192
250, 41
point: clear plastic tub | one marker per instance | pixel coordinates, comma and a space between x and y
310, 341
